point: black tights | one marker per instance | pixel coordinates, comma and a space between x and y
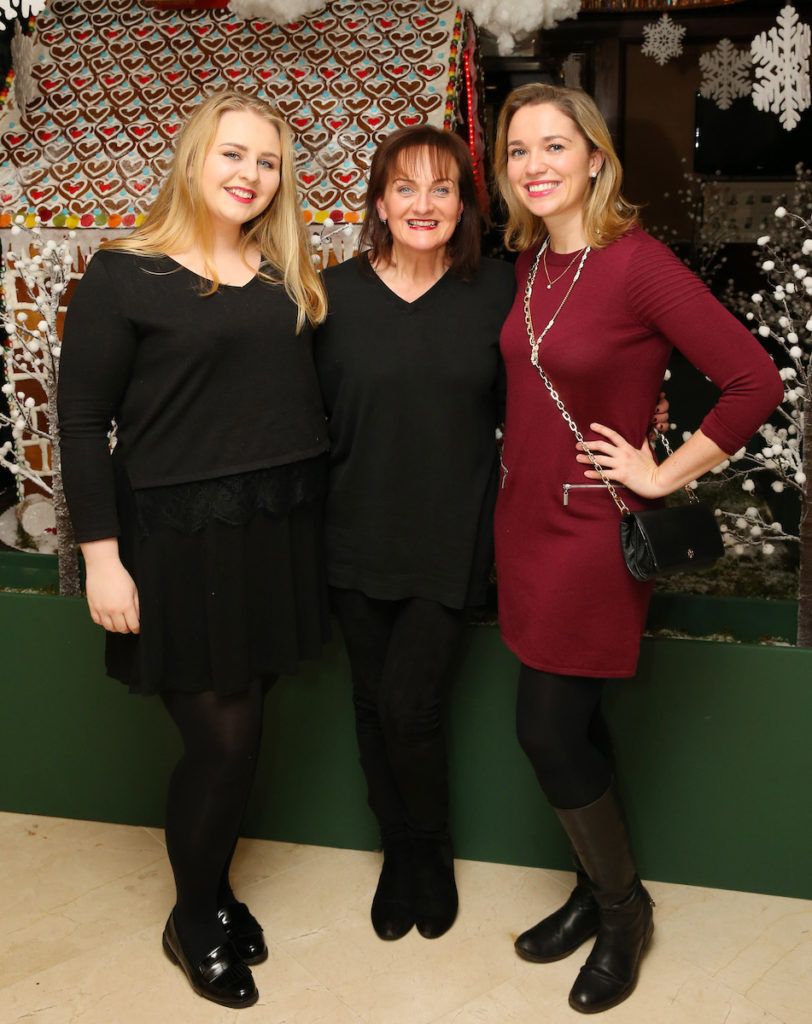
563, 732
208, 792
401, 655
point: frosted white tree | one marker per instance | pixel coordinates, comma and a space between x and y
22, 60
31, 376
781, 57
10, 9
782, 311
726, 73
663, 40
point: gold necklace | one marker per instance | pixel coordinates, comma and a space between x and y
550, 282
528, 292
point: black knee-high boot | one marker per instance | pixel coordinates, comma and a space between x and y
562, 932
599, 838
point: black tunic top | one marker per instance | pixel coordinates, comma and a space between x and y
200, 388
413, 393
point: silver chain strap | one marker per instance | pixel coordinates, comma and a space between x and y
535, 343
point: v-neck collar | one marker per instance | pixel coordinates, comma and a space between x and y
393, 295
223, 284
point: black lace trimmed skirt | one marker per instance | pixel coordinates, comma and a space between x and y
230, 577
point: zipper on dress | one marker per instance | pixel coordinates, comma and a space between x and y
578, 487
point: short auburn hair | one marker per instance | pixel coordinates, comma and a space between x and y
400, 153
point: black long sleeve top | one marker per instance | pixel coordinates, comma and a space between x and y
413, 393
199, 387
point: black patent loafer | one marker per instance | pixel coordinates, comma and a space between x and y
245, 932
221, 975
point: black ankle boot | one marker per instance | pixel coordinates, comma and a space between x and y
562, 932
610, 972
392, 909
435, 891
599, 838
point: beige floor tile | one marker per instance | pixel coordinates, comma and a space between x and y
786, 987
71, 887
134, 983
316, 895
85, 904
415, 980
670, 991
719, 929
412, 981
257, 859
502, 900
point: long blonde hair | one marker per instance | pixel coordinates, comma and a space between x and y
179, 219
607, 214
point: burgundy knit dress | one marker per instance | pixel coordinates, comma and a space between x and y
567, 602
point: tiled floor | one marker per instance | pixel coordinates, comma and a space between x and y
83, 905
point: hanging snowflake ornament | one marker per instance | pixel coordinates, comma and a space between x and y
781, 57
726, 74
10, 9
663, 40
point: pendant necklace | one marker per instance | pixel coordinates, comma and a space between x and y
551, 282
531, 277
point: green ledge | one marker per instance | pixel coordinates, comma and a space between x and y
712, 740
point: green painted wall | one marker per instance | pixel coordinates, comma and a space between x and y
713, 745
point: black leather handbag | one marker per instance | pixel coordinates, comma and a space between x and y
656, 542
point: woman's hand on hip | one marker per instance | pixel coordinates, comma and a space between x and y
622, 462
659, 418
111, 592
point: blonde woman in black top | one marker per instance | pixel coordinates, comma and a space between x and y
201, 533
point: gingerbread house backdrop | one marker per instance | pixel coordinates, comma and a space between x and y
88, 127
100, 88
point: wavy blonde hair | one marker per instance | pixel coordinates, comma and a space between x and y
179, 218
607, 214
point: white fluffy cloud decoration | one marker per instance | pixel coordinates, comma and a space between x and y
278, 11
508, 18
504, 18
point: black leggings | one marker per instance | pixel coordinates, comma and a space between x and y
564, 734
208, 792
401, 654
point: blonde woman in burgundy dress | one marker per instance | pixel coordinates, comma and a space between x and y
606, 304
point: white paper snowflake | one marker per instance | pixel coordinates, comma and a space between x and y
726, 73
663, 40
781, 57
